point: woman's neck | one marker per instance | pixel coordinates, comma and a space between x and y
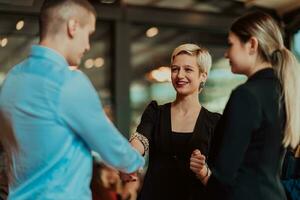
187, 103
259, 67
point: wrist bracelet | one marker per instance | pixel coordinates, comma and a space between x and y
207, 173
142, 139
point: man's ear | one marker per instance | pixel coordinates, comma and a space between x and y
252, 45
72, 27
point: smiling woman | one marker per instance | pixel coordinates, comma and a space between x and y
171, 132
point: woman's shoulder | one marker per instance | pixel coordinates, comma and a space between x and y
211, 117
248, 90
153, 105
153, 108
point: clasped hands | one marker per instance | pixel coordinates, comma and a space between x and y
198, 165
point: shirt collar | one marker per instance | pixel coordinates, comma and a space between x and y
48, 53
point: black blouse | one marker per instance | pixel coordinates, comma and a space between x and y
168, 175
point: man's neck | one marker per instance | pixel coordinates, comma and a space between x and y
55, 45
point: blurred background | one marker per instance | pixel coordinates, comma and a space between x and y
130, 51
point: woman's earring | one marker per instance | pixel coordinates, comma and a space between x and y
202, 84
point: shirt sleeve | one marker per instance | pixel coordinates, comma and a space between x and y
241, 118
148, 120
81, 110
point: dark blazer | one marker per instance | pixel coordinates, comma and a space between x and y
168, 175
247, 151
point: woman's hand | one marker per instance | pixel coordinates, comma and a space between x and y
198, 164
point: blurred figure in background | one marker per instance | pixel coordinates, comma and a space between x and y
56, 113
131, 189
8, 148
107, 185
3, 175
291, 173
173, 131
261, 117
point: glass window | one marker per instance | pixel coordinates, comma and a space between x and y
96, 64
295, 46
17, 34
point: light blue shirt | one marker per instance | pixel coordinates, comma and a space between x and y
58, 119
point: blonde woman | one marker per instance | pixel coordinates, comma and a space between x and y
172, 131
261, 117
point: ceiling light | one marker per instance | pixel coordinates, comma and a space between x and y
4, 42
108, 1
89, 63
99, 62
20, 25
151, 32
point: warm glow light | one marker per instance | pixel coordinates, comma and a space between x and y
162, 74
99, 62
72, 68
4, 42
20, 25
89, 63
151, 32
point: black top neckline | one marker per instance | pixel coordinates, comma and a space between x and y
196, 124
182, 133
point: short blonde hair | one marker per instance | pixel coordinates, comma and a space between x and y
203, 57
55, 13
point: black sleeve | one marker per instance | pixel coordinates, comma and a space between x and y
215, 118
241, 117
214, 121
148, 120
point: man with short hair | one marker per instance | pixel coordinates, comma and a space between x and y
56, 114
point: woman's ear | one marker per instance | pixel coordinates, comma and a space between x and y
203, 76
252, 45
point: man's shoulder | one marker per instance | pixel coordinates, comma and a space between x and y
76, 80
75, 75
